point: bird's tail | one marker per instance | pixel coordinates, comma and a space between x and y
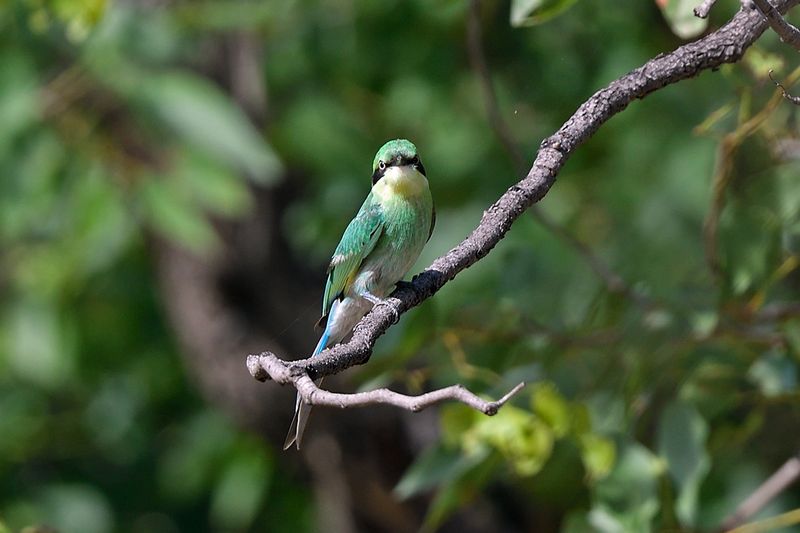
302, 409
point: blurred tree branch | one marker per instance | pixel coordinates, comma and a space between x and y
726, 45
785, 476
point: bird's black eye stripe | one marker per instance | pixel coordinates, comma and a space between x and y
420, 167
377, 175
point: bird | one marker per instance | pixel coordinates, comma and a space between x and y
376, 251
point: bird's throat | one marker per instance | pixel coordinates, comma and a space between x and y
400, 182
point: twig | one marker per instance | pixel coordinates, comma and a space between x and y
787, 474
777, 312
477, 57
726, 45
781, 521
723, 173
788, 33
313, 395
793, 99
703, 9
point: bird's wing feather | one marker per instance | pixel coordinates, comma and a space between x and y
357, 242
433, 221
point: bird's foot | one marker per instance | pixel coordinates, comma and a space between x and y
375, 301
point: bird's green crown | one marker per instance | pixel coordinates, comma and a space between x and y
398, 151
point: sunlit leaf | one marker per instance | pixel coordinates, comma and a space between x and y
774, 373
522, 438
552, 408
598, 455
681, 18
202, 114
530, 12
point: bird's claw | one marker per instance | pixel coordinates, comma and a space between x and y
375, 301
395, 313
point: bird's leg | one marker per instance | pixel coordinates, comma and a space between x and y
376, 301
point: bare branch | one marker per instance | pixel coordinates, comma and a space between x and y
703, 9
726, 45
785, 476
777, 312
788, 33
268, 364
793, 99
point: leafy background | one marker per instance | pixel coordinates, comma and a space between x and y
176, 173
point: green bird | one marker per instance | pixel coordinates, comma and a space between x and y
377, 249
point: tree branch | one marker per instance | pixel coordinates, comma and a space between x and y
788, 33
786, 475
726, 45
268, 365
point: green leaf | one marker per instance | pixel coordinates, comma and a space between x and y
212, 185
202, 114
681, 19
436, 466
774, 373
682, 435
457, 494
77, 507
239, 493
552, 408
521, 437
627, 499
598, 454
177, 217
531, 12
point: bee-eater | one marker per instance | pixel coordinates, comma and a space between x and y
377, 249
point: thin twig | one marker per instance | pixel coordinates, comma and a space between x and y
477, 58
788, 33
725, 45
703, 9
785, 476
777, 312
773, 523
268, 364
723, 173
793, 99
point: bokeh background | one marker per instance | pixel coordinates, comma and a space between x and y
174, 175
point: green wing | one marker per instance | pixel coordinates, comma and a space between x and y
357, 242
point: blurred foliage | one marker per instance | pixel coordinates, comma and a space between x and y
640, 417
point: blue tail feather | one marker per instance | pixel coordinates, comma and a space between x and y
302, 410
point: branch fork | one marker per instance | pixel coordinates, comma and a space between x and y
725, 45
268, 366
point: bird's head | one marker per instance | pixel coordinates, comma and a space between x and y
398, 153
